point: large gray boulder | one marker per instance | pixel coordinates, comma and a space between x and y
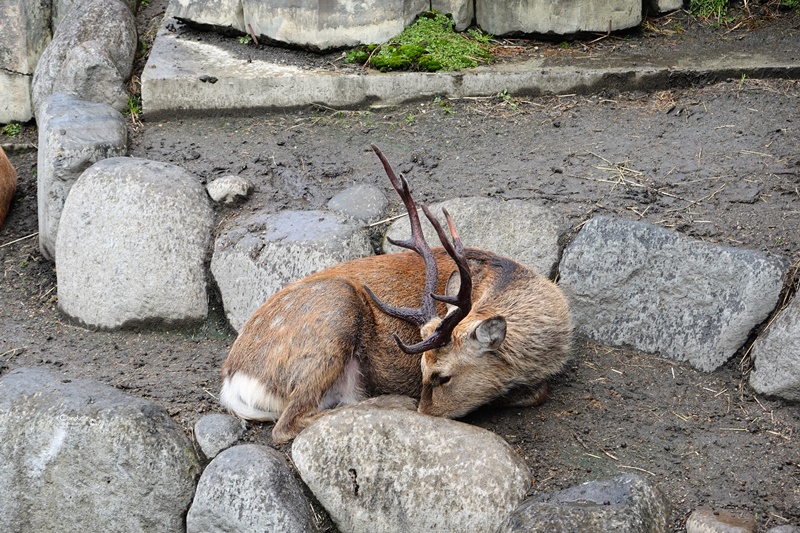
266, 251
523, 231
635, 284
90, 56
26, 33
132, 244
627, 503
307, 23
73, 135
77, 455
361, 202
249, 488
777, 356
89, 71
382, 470
503, 17
62, 7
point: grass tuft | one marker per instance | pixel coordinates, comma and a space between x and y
12, 130
708, 8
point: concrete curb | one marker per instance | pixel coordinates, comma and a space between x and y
184, 75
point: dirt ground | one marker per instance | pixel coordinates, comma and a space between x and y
718, 162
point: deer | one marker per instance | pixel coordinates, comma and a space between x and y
8, 185
485, 330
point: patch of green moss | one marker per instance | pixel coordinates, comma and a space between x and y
430, 44
429, 63
393, 56
360, 55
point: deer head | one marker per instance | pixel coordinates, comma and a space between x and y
456, 376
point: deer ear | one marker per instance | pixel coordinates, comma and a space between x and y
491, 333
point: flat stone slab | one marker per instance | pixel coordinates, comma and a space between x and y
662, 6
463, 11
306, 23
500, 17
636, 284
26, 32
16, 104
183, 74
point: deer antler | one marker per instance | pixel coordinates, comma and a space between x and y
417, 243
463, 300
427, 310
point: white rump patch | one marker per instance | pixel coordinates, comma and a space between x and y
247, 398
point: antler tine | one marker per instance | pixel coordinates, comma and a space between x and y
400, 185
417, 243
463, 300
456, 252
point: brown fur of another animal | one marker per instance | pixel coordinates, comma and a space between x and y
8, 185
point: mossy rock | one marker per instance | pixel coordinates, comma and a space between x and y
430, 44
361, 54
397, 57
426, 62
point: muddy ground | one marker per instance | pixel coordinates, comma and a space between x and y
718, 162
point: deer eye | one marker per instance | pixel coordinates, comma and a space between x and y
437, 379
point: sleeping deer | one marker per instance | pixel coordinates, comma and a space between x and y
485, 329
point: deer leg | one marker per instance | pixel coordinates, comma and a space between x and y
317, 392
294, 419
524, 396
346, 390
326, 371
